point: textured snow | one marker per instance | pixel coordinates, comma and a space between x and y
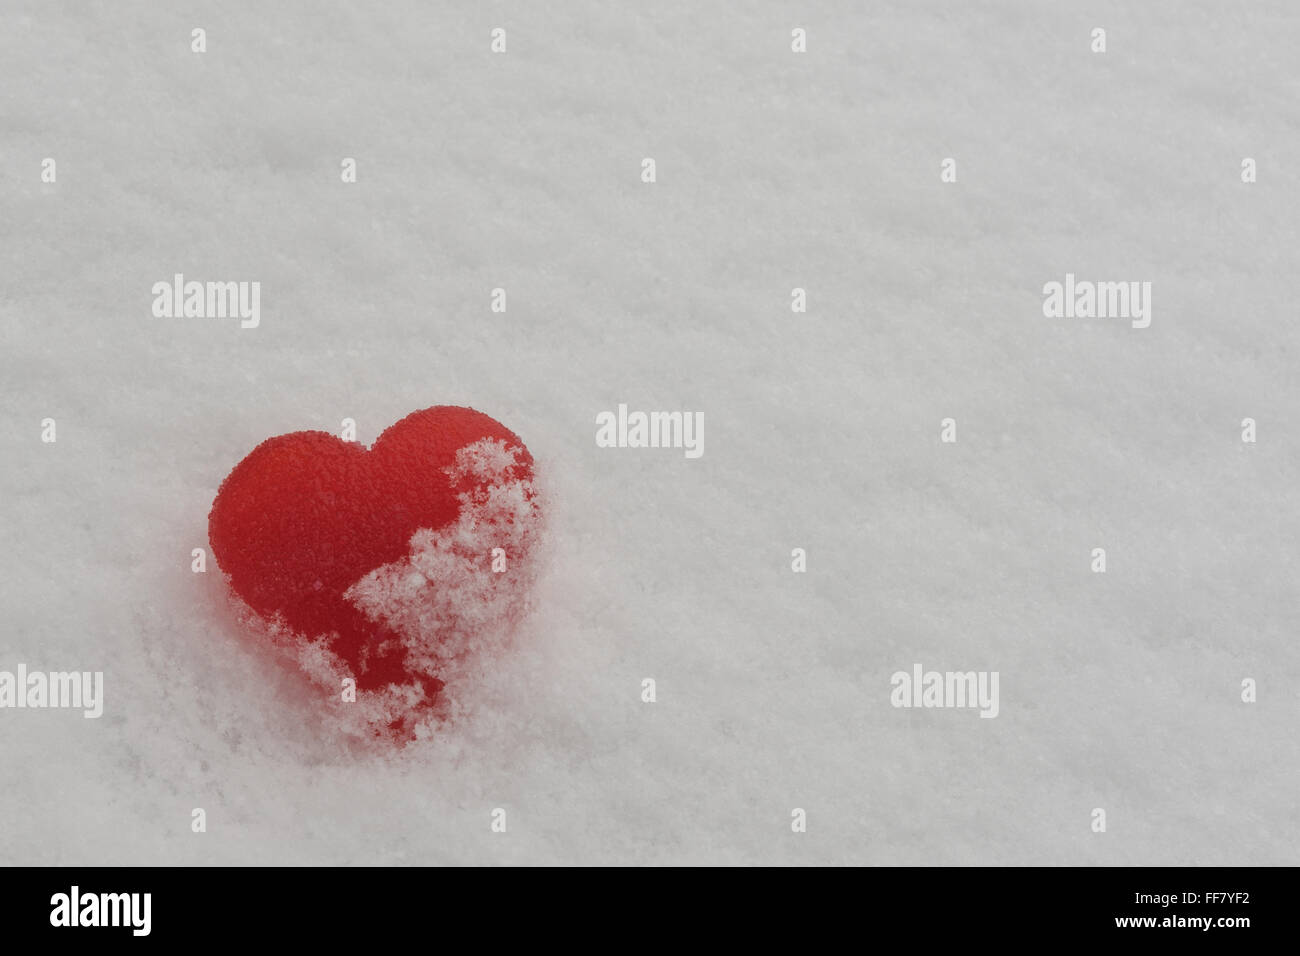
775, 171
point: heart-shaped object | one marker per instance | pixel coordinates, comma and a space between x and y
391, 567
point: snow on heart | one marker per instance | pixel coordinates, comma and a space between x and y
446, 609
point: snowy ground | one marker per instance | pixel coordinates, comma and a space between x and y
775, 170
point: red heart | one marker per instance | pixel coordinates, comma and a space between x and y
377, 565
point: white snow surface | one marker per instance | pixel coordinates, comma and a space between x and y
776, 170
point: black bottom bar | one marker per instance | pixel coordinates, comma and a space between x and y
368, 906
